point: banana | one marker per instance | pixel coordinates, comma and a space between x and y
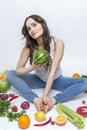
3, 74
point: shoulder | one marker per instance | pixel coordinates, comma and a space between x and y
25, 50
59, 42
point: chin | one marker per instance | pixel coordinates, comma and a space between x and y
36, 37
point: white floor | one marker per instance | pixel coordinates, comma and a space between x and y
73, 104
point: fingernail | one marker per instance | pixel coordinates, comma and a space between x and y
46, 104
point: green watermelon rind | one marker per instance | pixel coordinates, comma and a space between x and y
43, 60
41, 56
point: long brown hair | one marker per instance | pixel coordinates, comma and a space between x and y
30, 42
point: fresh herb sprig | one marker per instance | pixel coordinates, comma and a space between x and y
14, 116
4, 107
5, 111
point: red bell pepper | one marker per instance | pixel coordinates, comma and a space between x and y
45, 123
12, 98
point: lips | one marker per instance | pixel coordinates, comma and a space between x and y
33, 33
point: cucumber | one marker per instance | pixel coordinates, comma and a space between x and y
83, 76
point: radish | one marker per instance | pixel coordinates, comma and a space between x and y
25, 105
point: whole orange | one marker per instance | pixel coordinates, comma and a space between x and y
24, 121
76, 75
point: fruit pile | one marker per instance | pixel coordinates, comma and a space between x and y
72, 116
40, 57
4, 84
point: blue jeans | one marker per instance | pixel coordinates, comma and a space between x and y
69, 87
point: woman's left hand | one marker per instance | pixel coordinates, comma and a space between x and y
45, 99
48, 103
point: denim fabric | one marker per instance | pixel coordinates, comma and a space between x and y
69, 87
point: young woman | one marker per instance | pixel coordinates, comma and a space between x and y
48, 76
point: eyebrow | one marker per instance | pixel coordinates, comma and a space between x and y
32, 23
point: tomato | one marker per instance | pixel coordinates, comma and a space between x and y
14, 108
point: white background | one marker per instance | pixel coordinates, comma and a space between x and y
67, 20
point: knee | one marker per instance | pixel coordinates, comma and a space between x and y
10, 74
84, 81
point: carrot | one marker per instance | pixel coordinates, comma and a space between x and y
1, 77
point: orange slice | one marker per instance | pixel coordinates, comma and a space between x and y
61, 119
76, 75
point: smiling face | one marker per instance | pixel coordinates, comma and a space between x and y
34, 28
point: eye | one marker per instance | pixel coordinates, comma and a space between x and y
34, 24
28, 28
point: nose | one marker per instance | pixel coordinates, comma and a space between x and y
32, 29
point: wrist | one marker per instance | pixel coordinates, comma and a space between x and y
45, 95
31, 67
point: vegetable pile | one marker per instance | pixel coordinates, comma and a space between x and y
41, 56
6, 110
72, 116
83, 76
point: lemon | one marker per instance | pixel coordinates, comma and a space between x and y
40, 116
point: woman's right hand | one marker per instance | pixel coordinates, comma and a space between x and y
48, 103
34, 66
39, 104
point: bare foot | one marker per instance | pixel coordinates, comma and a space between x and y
39, 104
50, 104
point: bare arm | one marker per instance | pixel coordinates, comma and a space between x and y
24, 56
58, 54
